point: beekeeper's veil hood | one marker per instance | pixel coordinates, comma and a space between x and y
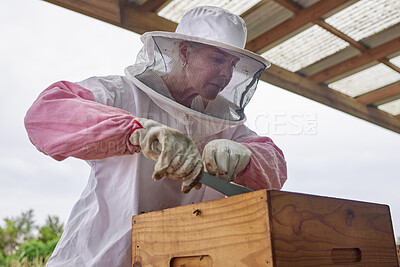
211, 26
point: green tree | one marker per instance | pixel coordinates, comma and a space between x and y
51, 245
2, 259
22, 243
32, 249
2, 239
51, 230
16, 232
12, 260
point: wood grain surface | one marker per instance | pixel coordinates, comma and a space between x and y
234, 228
266, 228
320, 231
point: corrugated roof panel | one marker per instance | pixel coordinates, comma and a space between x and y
366, 80
391, 107
305, 48
382, 37
265, 18
177, 8
366, 17
395, 61
329, 61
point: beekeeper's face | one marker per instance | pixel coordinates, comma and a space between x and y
208, 69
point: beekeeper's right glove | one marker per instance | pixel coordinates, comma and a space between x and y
176, 155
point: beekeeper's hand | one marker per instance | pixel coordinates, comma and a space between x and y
225, 158
176, 155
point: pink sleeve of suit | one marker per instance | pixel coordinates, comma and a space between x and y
66, 120
267, 166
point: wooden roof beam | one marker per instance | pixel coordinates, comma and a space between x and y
389, 64
360, 46
325, 95
295, 8
136, 19
104, 10
368, 56
154, 5
253, 8
303, 17
289, 4
320, 22
381, 94
119, 13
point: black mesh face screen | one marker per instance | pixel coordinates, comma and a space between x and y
211, 80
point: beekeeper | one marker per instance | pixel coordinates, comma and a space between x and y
178, 110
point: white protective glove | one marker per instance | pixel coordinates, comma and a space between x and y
176, 155
225, 158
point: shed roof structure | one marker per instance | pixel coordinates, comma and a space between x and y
342, 53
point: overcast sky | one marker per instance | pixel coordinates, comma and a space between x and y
329, 153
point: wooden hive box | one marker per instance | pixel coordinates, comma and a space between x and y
266, 228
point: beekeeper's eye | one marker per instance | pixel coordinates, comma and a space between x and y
234, 62
218, 60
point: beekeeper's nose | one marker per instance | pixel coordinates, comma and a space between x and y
226, 71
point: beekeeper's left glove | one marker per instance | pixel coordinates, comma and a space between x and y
225, 158
176, 155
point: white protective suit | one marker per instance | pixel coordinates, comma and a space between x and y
98, 232
120, 187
